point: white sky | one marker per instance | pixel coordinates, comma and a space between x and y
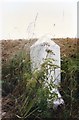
57, 18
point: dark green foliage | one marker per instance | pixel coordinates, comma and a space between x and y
70, 86
13, 72
30, 93
28, 89
36, 94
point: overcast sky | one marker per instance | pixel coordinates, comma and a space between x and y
35, 18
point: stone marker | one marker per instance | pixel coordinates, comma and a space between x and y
38, 54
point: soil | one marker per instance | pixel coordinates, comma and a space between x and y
68, 46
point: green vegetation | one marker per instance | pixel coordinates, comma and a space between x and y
31, 90
70, 86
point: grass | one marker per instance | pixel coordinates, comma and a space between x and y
28, 91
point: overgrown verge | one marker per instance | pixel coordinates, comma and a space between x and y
25, 95
28, 91
70, 86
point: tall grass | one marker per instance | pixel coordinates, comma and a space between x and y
70, 86
30, 93
30, 90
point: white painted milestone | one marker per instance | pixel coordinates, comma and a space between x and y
38, 54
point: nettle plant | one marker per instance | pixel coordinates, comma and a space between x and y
37, 91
